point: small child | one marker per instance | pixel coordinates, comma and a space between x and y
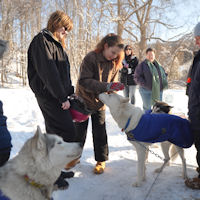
5, 138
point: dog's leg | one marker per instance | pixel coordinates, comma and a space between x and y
141, 154
181, 153
165, 149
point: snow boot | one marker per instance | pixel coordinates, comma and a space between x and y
99, 168
193, 183
61, 184
67, 174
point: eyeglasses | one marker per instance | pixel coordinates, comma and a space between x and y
128, 49
66, 29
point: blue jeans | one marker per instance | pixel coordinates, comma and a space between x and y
129, 91
146, 97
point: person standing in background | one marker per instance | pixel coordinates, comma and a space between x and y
49, 78
193, 93
151, 78
130, 62
5, 137
99, 73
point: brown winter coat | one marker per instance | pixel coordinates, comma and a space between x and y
95, 74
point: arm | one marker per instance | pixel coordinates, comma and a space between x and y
139, 75
133, 64
41, 56
88, 70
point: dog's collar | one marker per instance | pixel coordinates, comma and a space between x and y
127, 124
33, 183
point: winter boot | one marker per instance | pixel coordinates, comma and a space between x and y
61, 184
193, 183
67, 174
99, 168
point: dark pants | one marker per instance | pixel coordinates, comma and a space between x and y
4, 157
197, 145
57, 120
99, 135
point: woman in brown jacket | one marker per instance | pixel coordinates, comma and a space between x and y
99, 73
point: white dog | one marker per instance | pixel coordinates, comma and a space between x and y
121, 110
32, 173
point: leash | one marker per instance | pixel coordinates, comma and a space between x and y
158, 156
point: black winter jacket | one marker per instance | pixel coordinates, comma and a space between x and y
194, 94
5, 137
49, 68
127, 73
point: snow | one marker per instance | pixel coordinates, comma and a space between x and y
24, 115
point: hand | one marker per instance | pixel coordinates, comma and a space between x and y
115, 86
66, 105
126, 65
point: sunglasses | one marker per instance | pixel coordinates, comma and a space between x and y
66, 29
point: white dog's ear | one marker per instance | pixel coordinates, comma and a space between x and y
39, 137
125, 100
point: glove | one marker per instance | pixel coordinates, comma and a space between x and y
75, 97
115, 86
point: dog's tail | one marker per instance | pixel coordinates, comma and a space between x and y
173, 152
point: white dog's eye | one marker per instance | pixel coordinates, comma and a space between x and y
59, 142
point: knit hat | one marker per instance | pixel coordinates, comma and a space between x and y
197, 30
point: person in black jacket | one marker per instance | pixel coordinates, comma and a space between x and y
193, 89
5, 138
129, 64
49, 77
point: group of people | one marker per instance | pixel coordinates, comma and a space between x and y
149, 75
49, 79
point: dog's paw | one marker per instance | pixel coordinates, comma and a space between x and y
136, 184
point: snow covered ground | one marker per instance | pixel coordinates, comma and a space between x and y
23, 114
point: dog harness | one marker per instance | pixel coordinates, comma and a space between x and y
162, 127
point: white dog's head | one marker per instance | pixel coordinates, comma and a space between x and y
121, 110
46, 153
113, 100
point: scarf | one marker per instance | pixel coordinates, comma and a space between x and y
156, 80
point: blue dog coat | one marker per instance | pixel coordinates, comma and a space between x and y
2, 197
162, 127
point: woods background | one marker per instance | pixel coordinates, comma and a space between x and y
141, 23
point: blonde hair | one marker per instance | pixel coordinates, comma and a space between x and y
112, 40
57, 20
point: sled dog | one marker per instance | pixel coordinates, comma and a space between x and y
32, 173
121, 110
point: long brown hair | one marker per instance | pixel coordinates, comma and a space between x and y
57, 20
112, 40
